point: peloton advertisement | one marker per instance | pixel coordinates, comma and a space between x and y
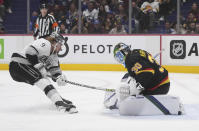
80, 49
99, 49
86, 49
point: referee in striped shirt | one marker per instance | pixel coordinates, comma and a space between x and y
45, 23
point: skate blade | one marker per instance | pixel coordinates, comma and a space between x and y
73, 110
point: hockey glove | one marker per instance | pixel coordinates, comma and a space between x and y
41, 68
135, 87
61, 80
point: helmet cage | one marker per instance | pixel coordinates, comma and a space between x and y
120, 52
120, 57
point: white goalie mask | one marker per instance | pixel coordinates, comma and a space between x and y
120, 52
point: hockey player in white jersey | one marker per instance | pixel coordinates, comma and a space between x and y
36, 61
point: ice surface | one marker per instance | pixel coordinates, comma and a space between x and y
26, 108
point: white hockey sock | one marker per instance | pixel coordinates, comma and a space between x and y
52, 94
49, 90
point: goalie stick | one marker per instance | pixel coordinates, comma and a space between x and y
155, 56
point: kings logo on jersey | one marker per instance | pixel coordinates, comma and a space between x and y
1, 48
177, 49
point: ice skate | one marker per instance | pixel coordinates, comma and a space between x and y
63, 107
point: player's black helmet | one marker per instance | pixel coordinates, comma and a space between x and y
120, 52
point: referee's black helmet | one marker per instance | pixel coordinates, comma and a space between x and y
43, 5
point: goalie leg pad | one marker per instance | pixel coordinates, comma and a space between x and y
151, 105
110, 100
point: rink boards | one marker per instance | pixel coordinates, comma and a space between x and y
94, 52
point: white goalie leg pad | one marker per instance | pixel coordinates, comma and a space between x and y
123, 91
151, 105
110, 100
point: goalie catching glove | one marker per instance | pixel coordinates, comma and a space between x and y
61, 80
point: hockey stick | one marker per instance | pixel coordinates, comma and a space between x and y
156, 55
87, 86
91, 87
98, 88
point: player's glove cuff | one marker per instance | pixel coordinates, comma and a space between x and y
61, 80
41, 68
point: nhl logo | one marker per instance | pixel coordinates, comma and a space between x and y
177, 49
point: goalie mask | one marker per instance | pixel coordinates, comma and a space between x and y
120, 52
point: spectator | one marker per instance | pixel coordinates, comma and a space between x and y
7, 4
190, 18
113, 4
97, 28
105, 5
181, 29
84, 30
137, 16
194, 10
166, 7
85, 5
150, 9
2, 29
122, 14
197, 28
191, 28
56, 11
33, 20
90, 14
108, 25
71, 16
167, 29
2, 10
63, 29
119, 28
102, 14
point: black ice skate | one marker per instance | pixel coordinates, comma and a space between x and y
63, 107
67, 101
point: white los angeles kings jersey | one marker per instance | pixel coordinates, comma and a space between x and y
42, 48
40, 52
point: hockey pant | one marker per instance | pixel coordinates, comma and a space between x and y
24, 73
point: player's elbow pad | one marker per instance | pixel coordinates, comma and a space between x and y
33, 59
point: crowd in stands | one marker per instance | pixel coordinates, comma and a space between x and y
191, 22
5, 7
112, 16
